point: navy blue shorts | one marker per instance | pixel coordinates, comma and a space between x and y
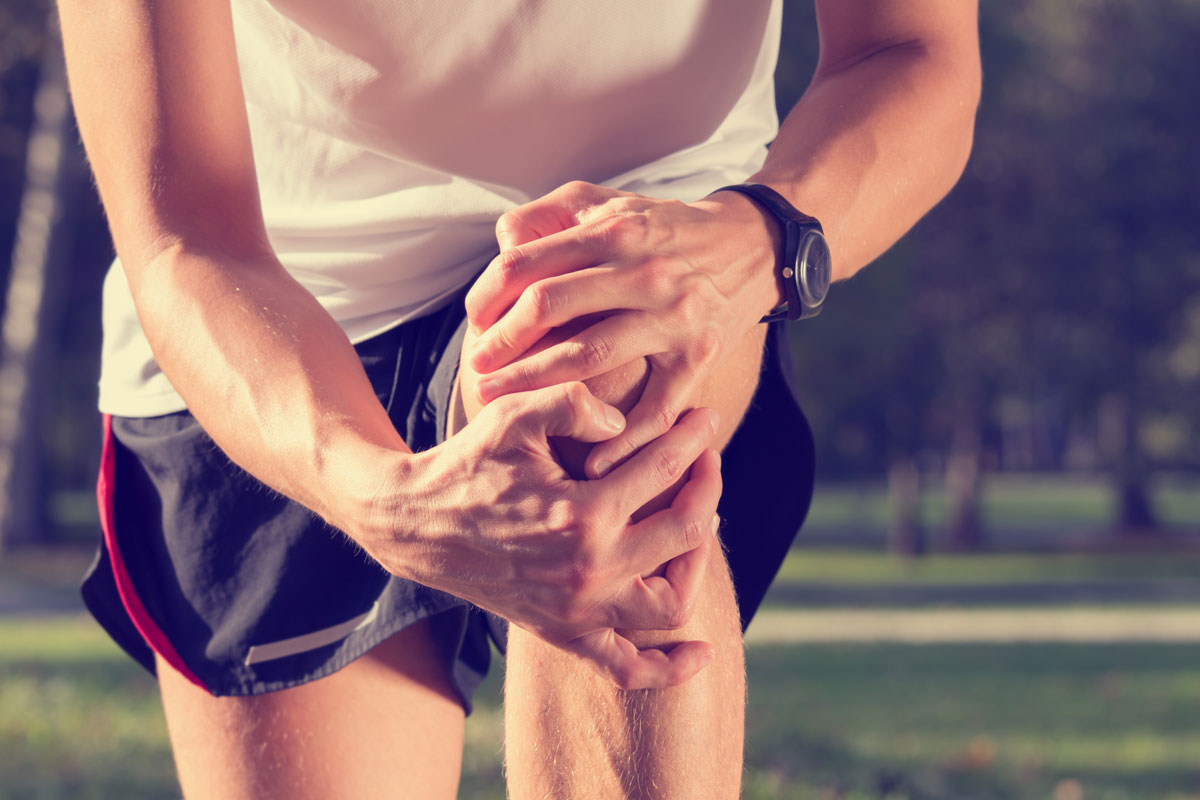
244, 591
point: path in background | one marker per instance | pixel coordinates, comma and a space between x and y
957, 625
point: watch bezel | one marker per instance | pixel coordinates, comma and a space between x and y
805, 268
798, 230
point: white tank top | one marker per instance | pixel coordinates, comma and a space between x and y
389, 135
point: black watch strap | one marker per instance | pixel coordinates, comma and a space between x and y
776, 203
784, 213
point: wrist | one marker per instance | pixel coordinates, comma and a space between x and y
746, 251
362, 496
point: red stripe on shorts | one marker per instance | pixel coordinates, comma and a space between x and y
133, 604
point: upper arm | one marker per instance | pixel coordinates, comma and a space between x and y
851, 30
158, 97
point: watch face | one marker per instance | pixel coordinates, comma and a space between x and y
814, 268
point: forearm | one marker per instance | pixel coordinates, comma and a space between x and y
265, 369
268, 373
879, 137
872, 146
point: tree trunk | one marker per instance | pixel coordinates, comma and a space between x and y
1135, 513
905, 534
42, 242
963, 482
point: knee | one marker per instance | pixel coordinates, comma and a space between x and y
620, 387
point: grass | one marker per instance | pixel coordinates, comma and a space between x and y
78, 720
1057, 506
957, 721
851, 567
825, 721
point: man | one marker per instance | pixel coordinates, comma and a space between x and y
285, 178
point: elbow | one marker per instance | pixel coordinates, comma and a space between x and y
957, 90
964, 92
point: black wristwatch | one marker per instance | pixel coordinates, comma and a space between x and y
806, 266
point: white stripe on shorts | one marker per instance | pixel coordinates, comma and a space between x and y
309, 641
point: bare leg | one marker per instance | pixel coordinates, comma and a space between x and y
570, 732
387, 725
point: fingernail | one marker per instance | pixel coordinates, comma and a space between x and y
488, 389
716, 523
613, 418
480, 351
601, 468
714, 421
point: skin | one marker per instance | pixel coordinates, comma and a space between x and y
571, 732
881, 134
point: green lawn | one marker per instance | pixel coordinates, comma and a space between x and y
78, 720
859, 568
827, 722
1057, 506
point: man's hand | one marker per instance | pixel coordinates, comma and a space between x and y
677, 284
491, 517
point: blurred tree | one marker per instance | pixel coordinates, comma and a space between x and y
44, 234
1050, 293
1046, 314
22, 40
1102, 123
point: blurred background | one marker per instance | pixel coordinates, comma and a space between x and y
997, 591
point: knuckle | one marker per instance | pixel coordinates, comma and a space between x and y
521, 376
661, 277
507, 221
594, 353
621, 204
623, 230
664, 418
577, 188
543, 301
666, 466
510, 266
695, 531
500, 337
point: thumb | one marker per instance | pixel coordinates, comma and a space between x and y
570, 410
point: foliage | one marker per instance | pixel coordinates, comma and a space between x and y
1062, 270
22, 37
1056, 288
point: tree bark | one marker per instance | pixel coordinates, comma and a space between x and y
1134, 510
42, 242
906, 537
964, 532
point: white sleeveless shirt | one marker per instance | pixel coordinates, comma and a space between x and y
389, 135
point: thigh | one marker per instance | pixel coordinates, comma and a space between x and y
388, 725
